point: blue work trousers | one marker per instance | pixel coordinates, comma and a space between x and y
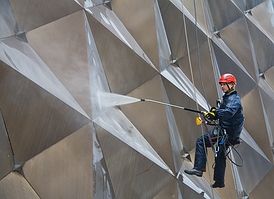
200, 157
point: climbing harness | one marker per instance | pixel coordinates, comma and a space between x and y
222, 143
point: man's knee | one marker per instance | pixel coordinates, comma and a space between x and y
200, 141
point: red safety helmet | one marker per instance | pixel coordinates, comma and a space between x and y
227, 78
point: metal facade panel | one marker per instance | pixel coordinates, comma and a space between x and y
35, 119
31, 14
141, 25
241, 46
176, 33
124, 68
132, 168
15, 186
253, 112
68, 61
223, 13
65, 169
65, 60
154, 129
6, 155
7, 21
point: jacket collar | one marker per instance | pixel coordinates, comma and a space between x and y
230, 92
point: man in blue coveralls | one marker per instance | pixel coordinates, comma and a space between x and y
231, 119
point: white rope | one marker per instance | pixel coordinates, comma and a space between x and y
235, 181
214, 72
192, 77
210, 51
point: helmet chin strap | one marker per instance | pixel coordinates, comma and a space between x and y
229, 89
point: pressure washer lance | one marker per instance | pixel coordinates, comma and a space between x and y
199, 120
184, 108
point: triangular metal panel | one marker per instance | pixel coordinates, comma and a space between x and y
175, 30
245, 83
185, 120
126, 166
102, 186
125, 69
262, 15
65, 169
109, 20
253, 111
7, 20
115, 122
70, 65
207, 77
223, 13
163, 45
6, 154
265, 188
41, 118
22, 58
240, 47
40, 13
262, 46
141, 25
20, 187
170, 191
269, 75
254, 164
144, 117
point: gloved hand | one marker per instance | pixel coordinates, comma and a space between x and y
209, 115
213, 109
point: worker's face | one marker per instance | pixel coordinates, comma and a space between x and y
225, 87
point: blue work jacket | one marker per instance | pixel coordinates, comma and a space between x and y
230, 114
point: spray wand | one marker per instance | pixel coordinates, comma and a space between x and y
180, 107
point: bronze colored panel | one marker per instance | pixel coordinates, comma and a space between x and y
201, 13
263, 14
187, 192
15, 186
141, 25
132, 175
6, 155
31, 14
64, 51
253, 116
185, 120
207, 78
223, 13
150, 118
244, 83
251, 4
265, 188
240, 47
170, 191
65, 169
262, 46
268, 101
174, 26
82, 2
35, 119
254, 164
269, 76
125, 70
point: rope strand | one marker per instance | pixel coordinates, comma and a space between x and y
192, 77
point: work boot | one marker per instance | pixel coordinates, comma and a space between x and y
218, 184
194, 172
